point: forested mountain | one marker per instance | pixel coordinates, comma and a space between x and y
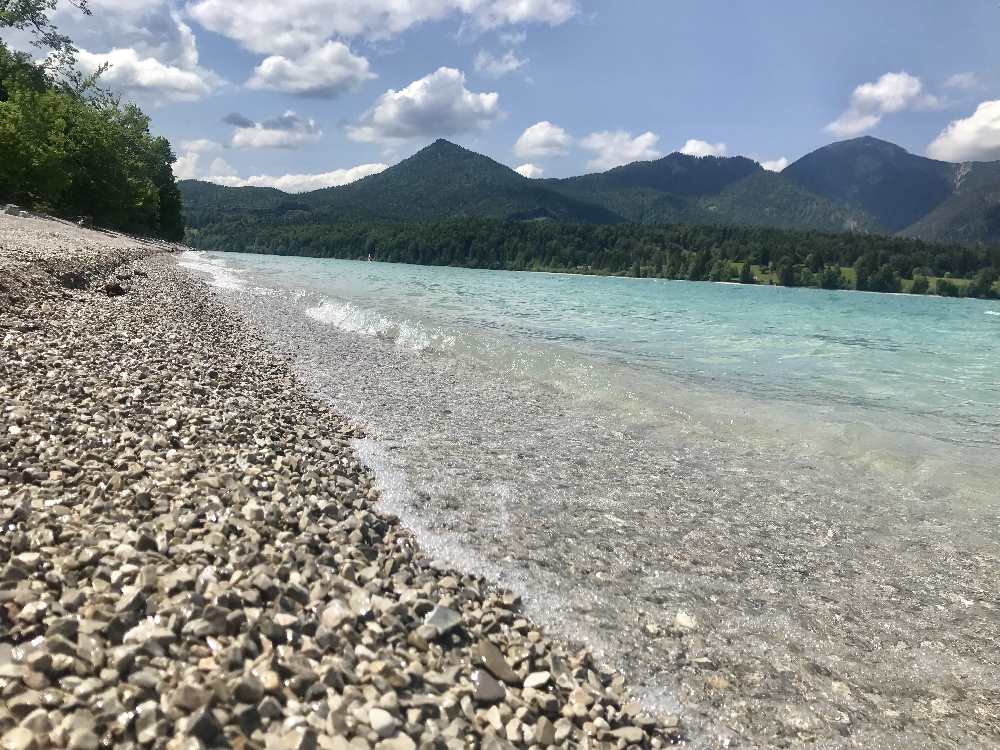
447, 181
971, 213
905, 193
709, 190
894, 186
863, 185
441, 180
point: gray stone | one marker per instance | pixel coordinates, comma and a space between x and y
485, 688
486, 654
444, 619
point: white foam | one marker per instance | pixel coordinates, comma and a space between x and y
993, 312
354, 319
222, 277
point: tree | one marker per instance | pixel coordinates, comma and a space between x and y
698, 265
785, 271
33, 16
946, 288
70, 149
982, 283
746, 274
884, 280
831, 278
920, 284
720, 271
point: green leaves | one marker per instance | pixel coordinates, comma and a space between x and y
67, 153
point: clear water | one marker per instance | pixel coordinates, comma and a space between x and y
810, 476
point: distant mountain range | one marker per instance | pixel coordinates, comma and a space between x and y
863, 185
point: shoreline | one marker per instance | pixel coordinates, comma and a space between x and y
195, 556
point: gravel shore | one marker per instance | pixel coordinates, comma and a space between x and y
191, 555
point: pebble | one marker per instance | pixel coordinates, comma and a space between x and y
192, 542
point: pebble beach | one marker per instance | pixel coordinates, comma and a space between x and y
192, 555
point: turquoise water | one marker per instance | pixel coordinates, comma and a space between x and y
772, 462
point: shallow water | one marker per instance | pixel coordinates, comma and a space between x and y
811, 477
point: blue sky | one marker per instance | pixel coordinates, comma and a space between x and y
306, 93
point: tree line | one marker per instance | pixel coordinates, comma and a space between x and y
695, 252
71, 149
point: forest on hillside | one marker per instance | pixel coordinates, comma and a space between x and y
69, 148
715, 253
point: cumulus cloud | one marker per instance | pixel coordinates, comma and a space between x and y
186, 166
870, 102
962, 81
974, 138
153, 52
287, 131
438, 104
695, 147
541, 140
201, 146
293, 25
325, 72
147, 77
614, 148
529, 170
190, 158
300, 183
775, 165
496, 67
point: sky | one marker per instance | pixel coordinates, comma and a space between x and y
303, 94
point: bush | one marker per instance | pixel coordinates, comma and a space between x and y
920, 285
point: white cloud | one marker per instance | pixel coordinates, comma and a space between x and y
300, 183
614, 148
201, 146
495, 67
154, 52
435, 105
220, 166
148, 77
529, 170
962, 81
775, 165
186, 166
326, 72
695, 147
291, 26
974, 138
287, 131
543, 139
870, 102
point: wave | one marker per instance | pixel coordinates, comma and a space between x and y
404, 333
993, 312
222, 277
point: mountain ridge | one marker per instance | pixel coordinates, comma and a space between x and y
863, 184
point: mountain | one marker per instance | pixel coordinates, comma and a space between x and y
859, 185
971, 213
894, 186
441, 180
710, 190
